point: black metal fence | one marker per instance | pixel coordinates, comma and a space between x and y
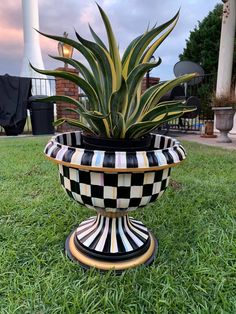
202, 87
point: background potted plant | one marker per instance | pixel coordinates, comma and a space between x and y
224, 110
116, 164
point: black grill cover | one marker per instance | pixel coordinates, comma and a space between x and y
14, 92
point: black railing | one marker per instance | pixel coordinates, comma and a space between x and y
202, 87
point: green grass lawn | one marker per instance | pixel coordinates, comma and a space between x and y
194, 272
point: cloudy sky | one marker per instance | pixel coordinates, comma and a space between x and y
129, 19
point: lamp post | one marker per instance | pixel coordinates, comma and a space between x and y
152, 59
65, 50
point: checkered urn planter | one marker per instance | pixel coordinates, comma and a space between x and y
113, 183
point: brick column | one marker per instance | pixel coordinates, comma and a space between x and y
152, 81
67, 88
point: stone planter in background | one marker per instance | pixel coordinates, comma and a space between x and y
224, 122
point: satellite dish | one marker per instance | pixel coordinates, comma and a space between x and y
187, 67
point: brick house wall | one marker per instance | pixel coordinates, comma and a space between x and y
152, 81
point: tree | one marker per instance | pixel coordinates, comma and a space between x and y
204, 41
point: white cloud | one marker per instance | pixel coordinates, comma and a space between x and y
129, 19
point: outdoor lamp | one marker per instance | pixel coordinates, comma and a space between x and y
65, 50
152, 59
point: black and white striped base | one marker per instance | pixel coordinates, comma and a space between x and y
107, 242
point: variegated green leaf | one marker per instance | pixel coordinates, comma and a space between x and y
119, 128
82, 49
144, 41
85, 72
137, 112
90, 118
119, 98
150, 51
86, 87
97, 38
76, 123
97, 115
141, 128
113, 47
106, 65
65, 99
100, 122
134, 80
59, 122
118, 104
128, 53
167, 86
152, 96
129, 48
169, 107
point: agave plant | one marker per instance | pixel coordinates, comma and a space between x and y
112, 84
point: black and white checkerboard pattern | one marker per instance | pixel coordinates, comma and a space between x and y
68, 148
113, 191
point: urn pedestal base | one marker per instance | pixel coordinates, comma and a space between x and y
111, 243
223, 137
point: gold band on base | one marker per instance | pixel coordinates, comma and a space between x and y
116, 214
104, 265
